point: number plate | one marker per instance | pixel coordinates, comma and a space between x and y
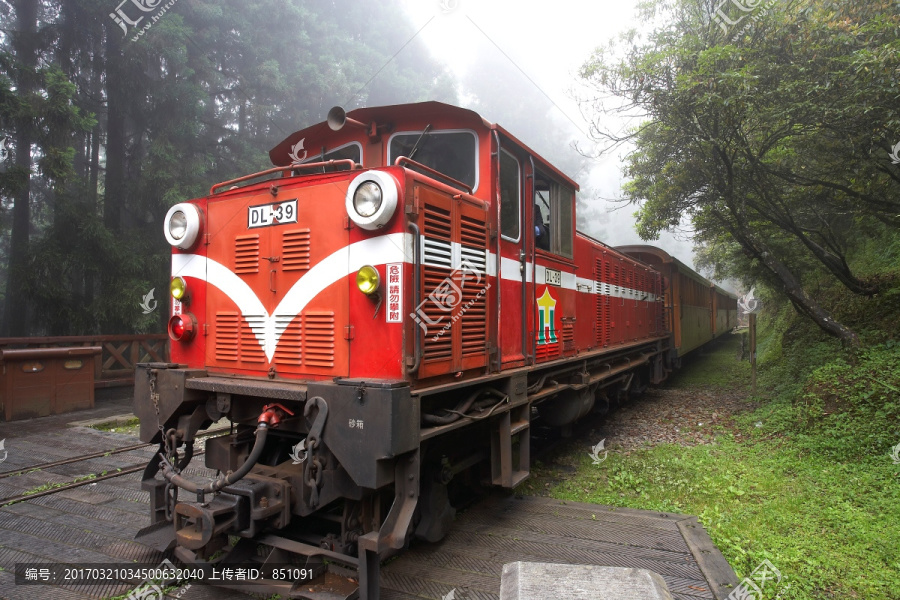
277, 213
552, 277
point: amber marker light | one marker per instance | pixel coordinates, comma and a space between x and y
178, 288
367, 280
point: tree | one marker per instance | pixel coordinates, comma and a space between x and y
772, 137
111, 128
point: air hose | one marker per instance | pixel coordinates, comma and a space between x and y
172, 476
271, 416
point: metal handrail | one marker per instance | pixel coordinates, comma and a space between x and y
429, 170
344, 161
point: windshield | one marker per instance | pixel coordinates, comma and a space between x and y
453, 153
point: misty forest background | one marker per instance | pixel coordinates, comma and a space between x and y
772, 146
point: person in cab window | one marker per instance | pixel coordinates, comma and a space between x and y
541, 229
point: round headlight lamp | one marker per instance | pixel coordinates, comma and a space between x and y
178, 288
178, 225
182, 225
372, 199
367, 280
367, 199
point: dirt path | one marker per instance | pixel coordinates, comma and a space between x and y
694, 407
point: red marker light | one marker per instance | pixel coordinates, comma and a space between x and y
181, 327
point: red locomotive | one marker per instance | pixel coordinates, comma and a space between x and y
377, 316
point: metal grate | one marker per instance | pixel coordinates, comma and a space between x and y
295, 250
568, 335
227, 336
246, 254
473, 279
235, 340
250, 349
440, 295
290, 344
318, 338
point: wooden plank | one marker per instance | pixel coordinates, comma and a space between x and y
721, 577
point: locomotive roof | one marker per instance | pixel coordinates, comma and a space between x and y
664, 258
446, 114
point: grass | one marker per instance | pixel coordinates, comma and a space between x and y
812, 490
129, 427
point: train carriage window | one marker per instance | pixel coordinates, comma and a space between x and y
453, 153
553, 216
509, 196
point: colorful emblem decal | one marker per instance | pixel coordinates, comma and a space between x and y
546, 318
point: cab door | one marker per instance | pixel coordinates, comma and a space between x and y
515, 260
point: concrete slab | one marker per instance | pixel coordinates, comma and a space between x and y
538, 581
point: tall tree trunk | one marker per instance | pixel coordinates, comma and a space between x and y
802, 301
116, 98
24, 45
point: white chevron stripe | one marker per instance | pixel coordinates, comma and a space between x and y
395, 247
391, 248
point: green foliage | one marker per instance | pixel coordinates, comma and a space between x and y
772, 141
124, 129
805, 480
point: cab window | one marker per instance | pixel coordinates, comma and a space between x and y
453, 153
553, 216
509, 196
353, 151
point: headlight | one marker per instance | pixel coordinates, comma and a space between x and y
182, 225
367, 280
178, 225
178, 288
367, 199
372, 199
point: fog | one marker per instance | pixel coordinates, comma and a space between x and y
536, 53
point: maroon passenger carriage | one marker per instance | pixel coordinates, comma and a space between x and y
381, 317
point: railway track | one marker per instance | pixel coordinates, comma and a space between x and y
87, 479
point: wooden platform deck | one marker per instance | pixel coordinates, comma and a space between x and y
531, 529
97, 523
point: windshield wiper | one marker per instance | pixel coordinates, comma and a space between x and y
415, 148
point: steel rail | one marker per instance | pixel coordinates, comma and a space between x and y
88, 479
100, 454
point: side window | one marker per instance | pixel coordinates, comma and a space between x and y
553, 218
564, 222
509, 196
